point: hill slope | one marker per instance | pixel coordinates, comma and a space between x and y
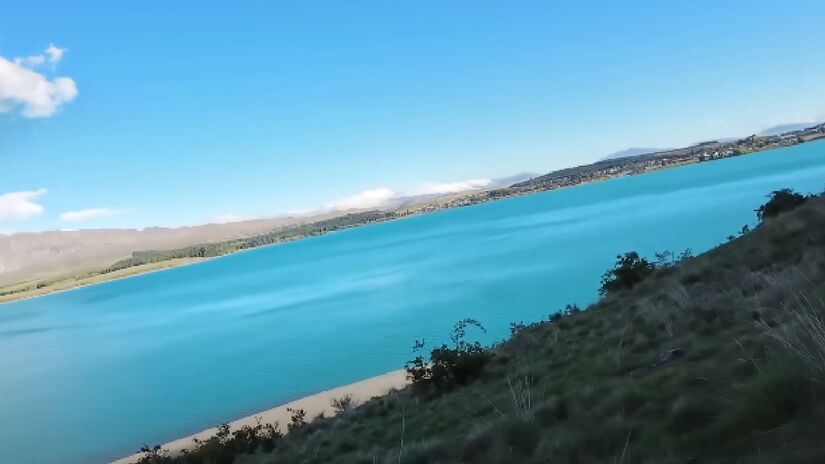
717, 358
33, 255
785, 128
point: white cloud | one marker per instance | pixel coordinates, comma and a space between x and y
384, 196
374, 198
33, 93
432, 188
93, 213
19, 206
231, 217
55, 53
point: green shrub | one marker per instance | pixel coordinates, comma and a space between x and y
342, 404
780, 201
630, 269
154, 455
450, 367
297, 419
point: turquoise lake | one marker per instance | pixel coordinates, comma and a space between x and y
91, 374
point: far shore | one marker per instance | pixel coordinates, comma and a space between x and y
70, 281
318, 403
74, 282
67, 283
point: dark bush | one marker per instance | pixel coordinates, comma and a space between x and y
344, 403
517, 327
450, 367
780, 201
630, 269
297, 419
154, 455
569, 310
223, 447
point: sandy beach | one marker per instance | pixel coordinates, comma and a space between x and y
361, 391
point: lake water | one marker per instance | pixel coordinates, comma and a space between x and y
91, 374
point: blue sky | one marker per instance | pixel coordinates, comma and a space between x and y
183, 112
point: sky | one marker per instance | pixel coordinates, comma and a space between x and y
136, 114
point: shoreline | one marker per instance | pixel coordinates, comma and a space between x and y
361, 391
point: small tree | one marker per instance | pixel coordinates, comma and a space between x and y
780, 201
630, 269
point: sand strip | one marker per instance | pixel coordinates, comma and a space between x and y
313, 405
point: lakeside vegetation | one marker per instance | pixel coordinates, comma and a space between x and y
714, 358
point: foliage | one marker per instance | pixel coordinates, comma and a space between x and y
517, 327
630, 269
568, 310
668, 258
342, 404
780, 201
297, 420
226, 444
154, 455
450, 367
221, 448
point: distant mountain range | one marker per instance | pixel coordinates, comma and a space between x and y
790, 127
634, 151
773, 130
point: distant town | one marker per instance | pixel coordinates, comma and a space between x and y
630, 165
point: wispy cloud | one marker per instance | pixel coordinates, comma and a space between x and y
19, 206
435, 188
374, 198
231, 217
55, 53
92, 213
32, 93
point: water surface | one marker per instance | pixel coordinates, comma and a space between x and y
91, 374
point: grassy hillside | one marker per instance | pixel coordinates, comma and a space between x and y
717, 358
